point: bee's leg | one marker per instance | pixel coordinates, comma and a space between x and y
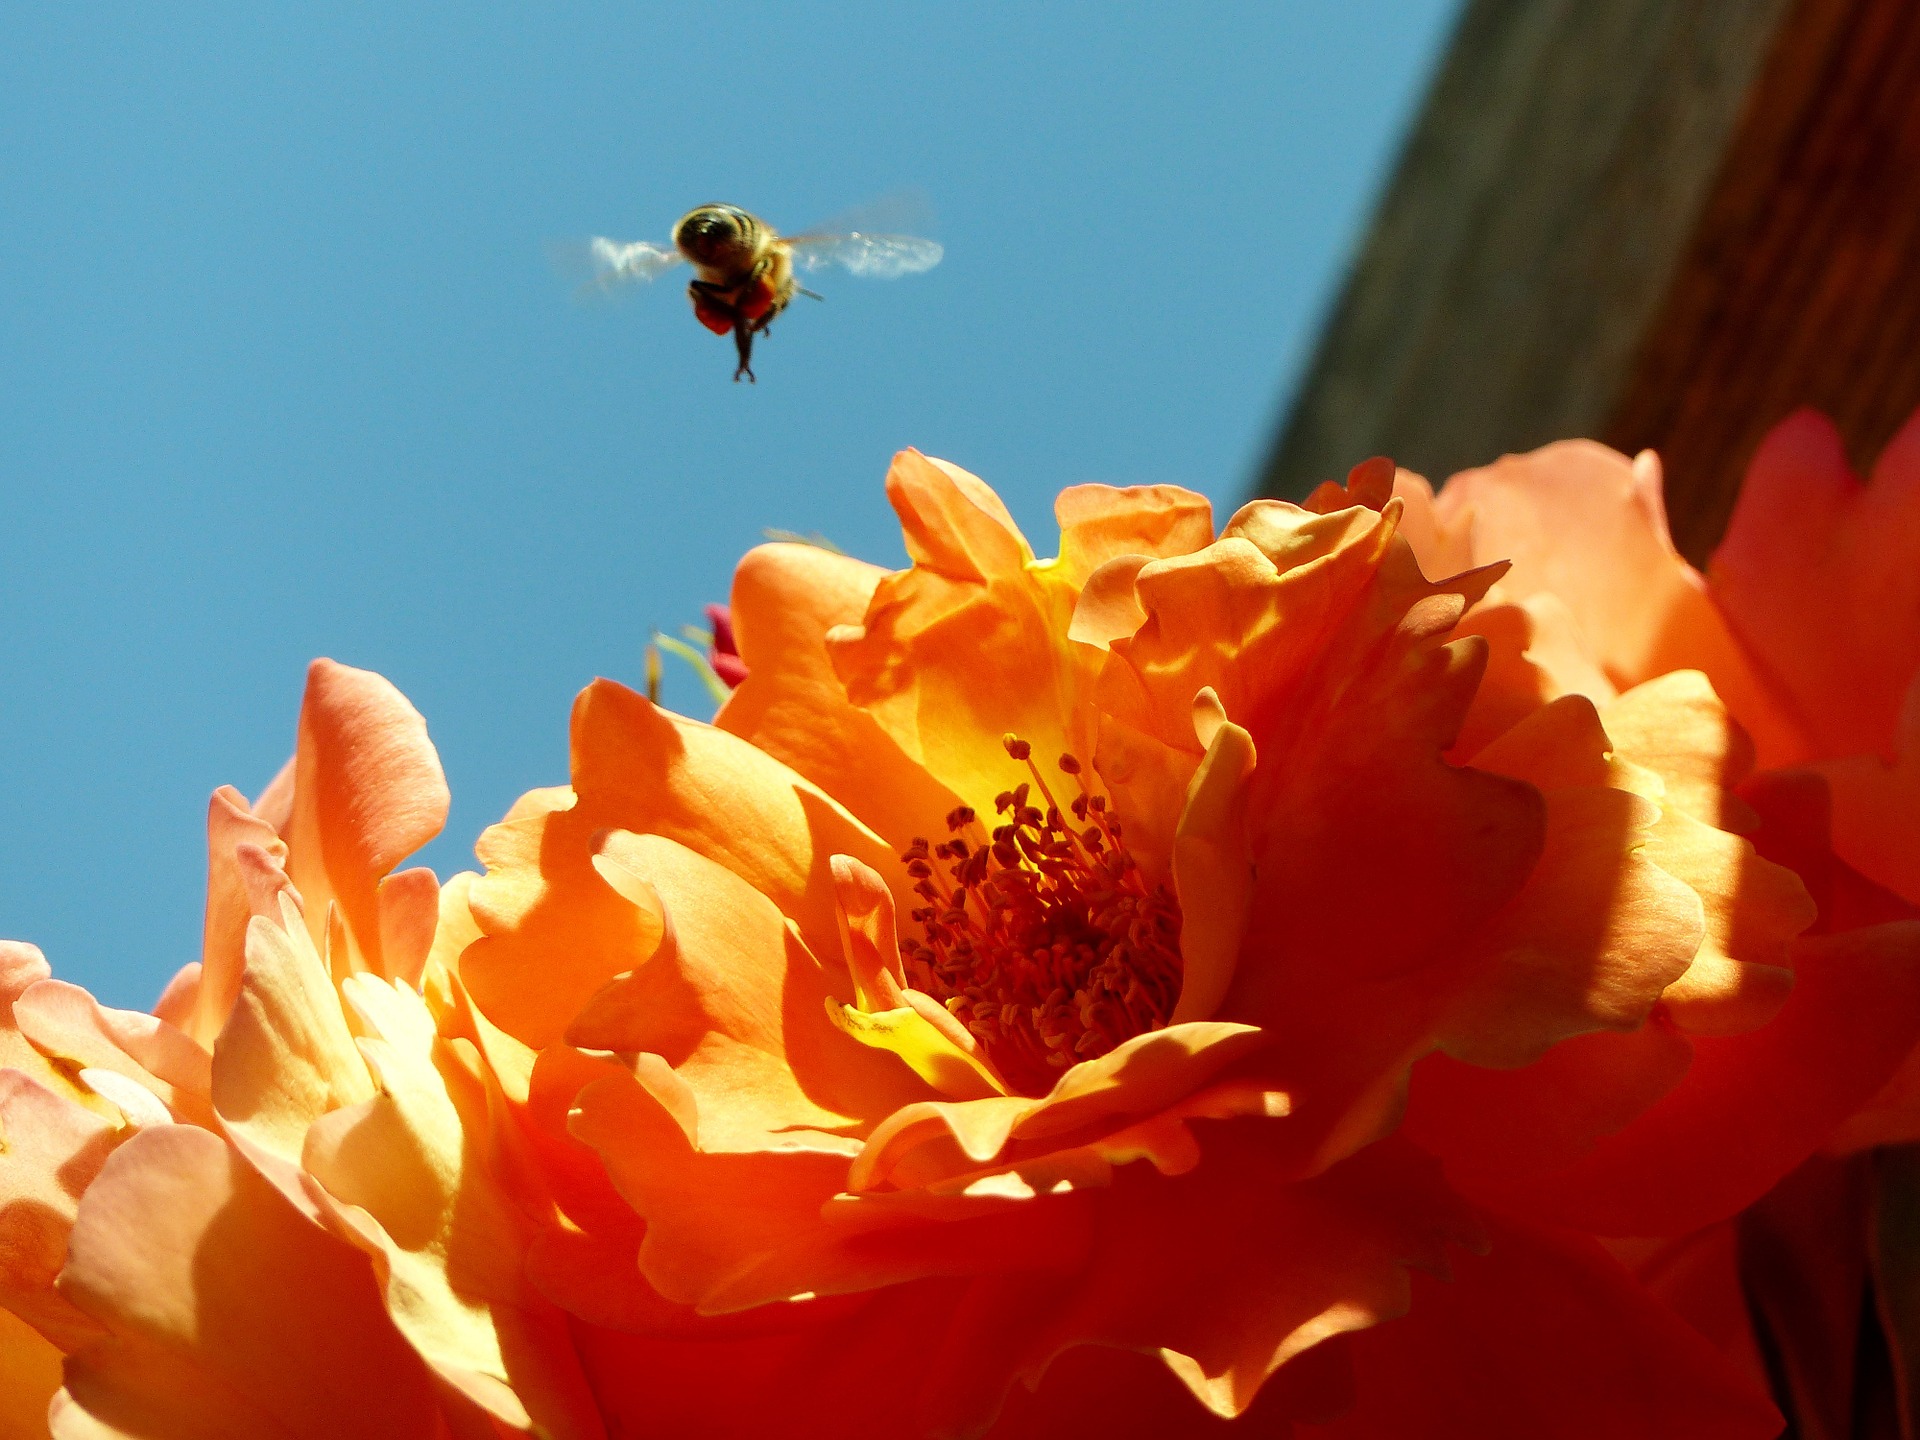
743, 342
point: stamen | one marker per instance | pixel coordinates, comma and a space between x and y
1048, 944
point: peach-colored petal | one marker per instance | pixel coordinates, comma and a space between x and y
22, 966
1488, 1125
939, 1140
644, 769
726, 1230
970, 644
1444, 542
786, 598
1698, 1277
1740, 976
1212, 869
413, 1192
730, 983
1371, 483
1677, 726
1099, 523
1545, 1336
367, 792
66, 1022
409, 905
1109, 607
1876, 806
246, 866
1588, 526
555, 930
886, 1014
1820, 576
50, 1150
29, 1376
1590, 942
229, 1316
1537, 655
1781, 1090
286, 1056
824, 1370
1225, 1306
638, 768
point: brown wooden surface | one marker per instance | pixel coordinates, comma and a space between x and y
1527, 237
1801, 284
1660, 222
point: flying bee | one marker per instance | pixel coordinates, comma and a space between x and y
744, 270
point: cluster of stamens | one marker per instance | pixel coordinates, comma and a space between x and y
1043, 938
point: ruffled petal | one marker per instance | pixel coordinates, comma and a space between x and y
1876, 806
246, 867
733, 991
786, 600
971, 643
367, 792
639, 769
1852, 1017
286, 1056
50, 1151
644, 769
1820, 577
414, 1192
1545, 1335
1225, 1306
1586, 525
1100, 523
229, 1317
65, 1022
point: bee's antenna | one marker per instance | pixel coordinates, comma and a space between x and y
808, 293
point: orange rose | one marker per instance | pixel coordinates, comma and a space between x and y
1808, 623
265, 1206
1023, 980
1023, 976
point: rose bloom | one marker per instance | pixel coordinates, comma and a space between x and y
1808, 622
1193, 977
272, 1207
1033, 999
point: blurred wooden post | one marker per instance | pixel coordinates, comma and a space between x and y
1656, 222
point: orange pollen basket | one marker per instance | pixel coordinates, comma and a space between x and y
1043, 939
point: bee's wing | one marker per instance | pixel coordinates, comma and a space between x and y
874, 240
606, 267
874, 257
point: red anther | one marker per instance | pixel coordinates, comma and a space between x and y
1070, 765
1016, 747
1052, 948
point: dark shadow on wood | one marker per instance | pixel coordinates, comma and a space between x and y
1527, 237
1655, 222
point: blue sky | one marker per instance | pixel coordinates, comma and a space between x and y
284, 371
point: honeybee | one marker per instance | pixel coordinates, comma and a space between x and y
744, 269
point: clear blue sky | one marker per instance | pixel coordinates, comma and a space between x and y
284, 372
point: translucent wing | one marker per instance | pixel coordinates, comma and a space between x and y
874, 257
608, 266
616, 262
874, 240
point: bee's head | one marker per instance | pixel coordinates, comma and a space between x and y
715, 235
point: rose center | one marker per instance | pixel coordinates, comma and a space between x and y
1043, 938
